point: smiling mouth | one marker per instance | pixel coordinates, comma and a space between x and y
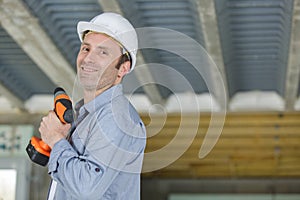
88, 69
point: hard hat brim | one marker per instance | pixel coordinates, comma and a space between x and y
85, 26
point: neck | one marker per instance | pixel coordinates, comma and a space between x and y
89, 95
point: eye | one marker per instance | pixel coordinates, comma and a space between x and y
103, 52
85, 49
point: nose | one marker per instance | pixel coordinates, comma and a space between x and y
88, 58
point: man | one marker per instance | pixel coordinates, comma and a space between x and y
103, 157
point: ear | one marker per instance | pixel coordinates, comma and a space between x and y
124, 69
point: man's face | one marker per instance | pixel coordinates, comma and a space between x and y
96, 62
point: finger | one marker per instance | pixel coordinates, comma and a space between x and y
67, 126
53, 115
44, 119
51, 112
40, 129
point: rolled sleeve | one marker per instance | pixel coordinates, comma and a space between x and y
70, 170
56, 152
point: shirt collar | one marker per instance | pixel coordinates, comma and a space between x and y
100, 100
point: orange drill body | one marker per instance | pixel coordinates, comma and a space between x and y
37, 150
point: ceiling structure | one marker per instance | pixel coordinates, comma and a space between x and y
242, 53
194, 55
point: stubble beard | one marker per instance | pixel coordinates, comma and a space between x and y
99, 81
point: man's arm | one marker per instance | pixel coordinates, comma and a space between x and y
82, 177
89, 176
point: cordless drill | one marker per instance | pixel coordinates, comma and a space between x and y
37, 150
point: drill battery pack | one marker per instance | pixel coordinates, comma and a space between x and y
38, 151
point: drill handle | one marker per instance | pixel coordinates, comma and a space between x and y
63, 108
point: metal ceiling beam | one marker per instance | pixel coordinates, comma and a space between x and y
293, 68
207, 15
110, 6
142, 73
13, 99
24, 28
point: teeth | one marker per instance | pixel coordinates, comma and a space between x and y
88, 70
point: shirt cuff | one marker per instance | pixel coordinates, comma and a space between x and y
58, 148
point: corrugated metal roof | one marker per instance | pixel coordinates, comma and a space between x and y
18, 72
60, 18
255, 38
254, 35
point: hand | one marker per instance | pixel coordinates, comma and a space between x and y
52, 130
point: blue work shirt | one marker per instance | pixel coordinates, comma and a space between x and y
104, 158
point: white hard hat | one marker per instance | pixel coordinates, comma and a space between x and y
115, 26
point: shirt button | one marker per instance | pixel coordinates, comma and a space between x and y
97, 169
